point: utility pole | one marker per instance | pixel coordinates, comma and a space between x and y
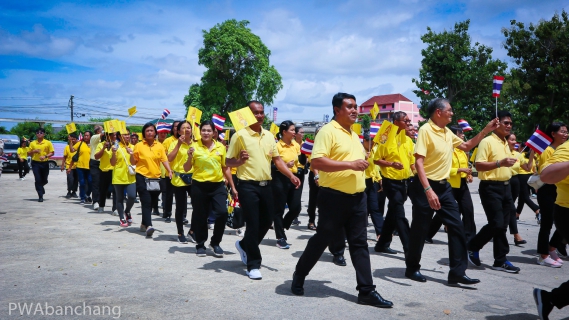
70, 105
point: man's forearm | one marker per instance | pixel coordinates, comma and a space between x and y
555, 172
329, 165
470, 144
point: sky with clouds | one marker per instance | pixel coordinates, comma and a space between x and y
112, 55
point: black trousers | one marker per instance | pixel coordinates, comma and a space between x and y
560, 295
145, 199
422, 216
312, 197
181, 194
515, 190
131, 195
95, 172
496, 200
72, 180
396, 192
373, 206
23, 168
284, 192
546, 196
41, 172
208, 197
258, 210
168, 197
466, 209
524, 194
105, 180
341, 213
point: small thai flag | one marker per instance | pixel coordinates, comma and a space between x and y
464, 125
374, 129
539, 141
80, 136
497, 86
306, 147
517, 146
3, 158
165, 114
361, 138
218, 121
222, 136
163, 127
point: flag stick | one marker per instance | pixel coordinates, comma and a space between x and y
496, 107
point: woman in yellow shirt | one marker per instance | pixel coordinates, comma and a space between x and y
23, 167
546, 196
123, 180
206, 158
527, 157
515, 187
71, 171
103, 154
147, 156
83, 172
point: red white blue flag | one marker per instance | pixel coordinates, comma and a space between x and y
464, 125
165, 114
374, 129
163, 127
497, 86
539, 141
306, 146
275, 114
218, 121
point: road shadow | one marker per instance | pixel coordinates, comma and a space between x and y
325, 257
315, 289
524, 260
515, 316
531, 252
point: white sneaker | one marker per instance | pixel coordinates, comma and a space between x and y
241, 252
116, 213
24, 178
554, 256
254, 274
95, 206
548, 262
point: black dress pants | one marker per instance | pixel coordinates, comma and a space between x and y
373, 206
524, 194
168, 197
145, 199
72, 180
284, 192
95, 173
181, 194
312, 197
41, 172
422, 216
546, 196
208, 197
341, 213
105, 180
396, 192
23, 168
496, 197
515, 190
560, 295
258, 210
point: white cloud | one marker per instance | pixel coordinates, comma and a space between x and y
37, 43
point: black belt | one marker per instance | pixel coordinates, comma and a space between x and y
396, 181
340, 193
256, 183
444, 181
503, 183
34, 161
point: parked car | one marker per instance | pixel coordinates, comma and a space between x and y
11, 145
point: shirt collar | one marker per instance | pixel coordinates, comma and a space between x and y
435, 127
339, 126
253, 132
284, 144
503, 141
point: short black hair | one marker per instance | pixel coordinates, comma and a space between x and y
504, 114
455, 129
146, 126
207, 123
254, 101
554, 127
174, 125
179, 127
338, 99
73, 135
399, 115
285, 125
436, 104
38, 130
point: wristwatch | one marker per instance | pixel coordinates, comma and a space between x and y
316, 177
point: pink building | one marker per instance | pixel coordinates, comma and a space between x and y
390, 103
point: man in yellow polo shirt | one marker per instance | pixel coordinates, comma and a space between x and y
71, 171
251, 150
556, 170
394, 163
165, 181
83, 165
342, 203
40, 150
94, 170
430, 191
493, 162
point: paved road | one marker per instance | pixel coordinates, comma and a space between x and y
62, 253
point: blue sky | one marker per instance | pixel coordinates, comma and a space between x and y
112, 55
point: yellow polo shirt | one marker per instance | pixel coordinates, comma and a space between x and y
561, 154
492, 149
436, 144
84, 155
23, 153
177, 165
168, 141
394, 152
298, 147
208, 165
94, 143
289, 152
67, 154
544, 157
370, 172
105, 159
45, 147
459, 160
261, 149
517, 167
148, 158
120, 171
409, 148
524, 160
336, 143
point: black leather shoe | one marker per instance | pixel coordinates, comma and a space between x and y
517, 243
339, 261
297, 286
429, 240
40, 200
454, 280
374, 299
384, 250
415, 276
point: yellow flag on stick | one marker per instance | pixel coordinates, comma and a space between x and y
227, 132
274, 129
196, 132
140, 137
70, 127
357, 128
242, 118
374, 111
131, 111
194, 115
122, 127
386, 134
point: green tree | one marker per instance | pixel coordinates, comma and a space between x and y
539, 89
455, 69
3, 130
238, 70
28, 130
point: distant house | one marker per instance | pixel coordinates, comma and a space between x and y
389, 104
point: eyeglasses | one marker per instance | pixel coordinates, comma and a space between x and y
563, 132
507, 123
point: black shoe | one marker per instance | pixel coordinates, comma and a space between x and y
155, 212
542, 302
40, 199
384, 250
339, 261
415, 276
429, 240
517, 243
395, 233
454, 280
192, 237
89, 200
185, 221
68, 195
374, 299
297, 286
168, 220
217, 251
74, 195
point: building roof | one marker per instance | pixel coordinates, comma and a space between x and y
384, 99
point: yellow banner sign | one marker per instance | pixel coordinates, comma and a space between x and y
374, 111
70, 127
242, 118
386, 134
131, 111
194, 115
357, 128
274, 129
